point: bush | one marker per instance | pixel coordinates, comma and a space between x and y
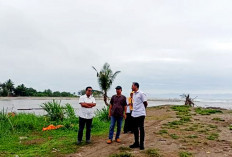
103, 113
54, 110
69, 111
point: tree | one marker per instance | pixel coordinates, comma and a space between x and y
105, 79
20, 90
3, 90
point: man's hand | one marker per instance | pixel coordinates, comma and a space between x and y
124, 116
109, 115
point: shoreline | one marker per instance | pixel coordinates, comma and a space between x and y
74, 98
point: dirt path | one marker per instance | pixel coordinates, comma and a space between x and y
191, 137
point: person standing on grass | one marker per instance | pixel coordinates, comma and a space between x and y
138, 116
117, 111
128, 121
86, 114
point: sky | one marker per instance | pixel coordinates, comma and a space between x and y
169, 47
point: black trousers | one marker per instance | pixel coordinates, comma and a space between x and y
138, 125
128, 126
82, 123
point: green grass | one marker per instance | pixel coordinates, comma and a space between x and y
183, 112
153, 153
22, 134
218, 119
203, 111
192, 136
174, 136
230, 127
213, 136
185, 154
123, 149
163, 132
122, 154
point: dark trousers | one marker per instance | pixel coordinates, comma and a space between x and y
82, 123
138, 125
128, 126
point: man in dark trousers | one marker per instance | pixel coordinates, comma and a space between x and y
138, 115
86, 114
128, 121
117, 111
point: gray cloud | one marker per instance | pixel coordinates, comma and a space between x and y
167, 46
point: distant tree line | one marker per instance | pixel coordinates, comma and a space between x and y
8, 89
95, 93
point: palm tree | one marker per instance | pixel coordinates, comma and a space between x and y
105, 79
10, 87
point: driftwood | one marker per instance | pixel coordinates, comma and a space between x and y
188, 100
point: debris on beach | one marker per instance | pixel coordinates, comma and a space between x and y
52, 127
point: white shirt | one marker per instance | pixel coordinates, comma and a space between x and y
138, 107
127, 107
87, 113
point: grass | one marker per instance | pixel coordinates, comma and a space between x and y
183, 112
230, 127
185, 154
174, 136
213, 136
202, 111
123, 149
218, 119
153, 153
122, 154
22, 134
163, 132
192, 136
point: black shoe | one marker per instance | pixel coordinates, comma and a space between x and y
135, 145
88, 141
141, 147
78, 142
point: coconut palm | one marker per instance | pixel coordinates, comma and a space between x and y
105, 79
10, 87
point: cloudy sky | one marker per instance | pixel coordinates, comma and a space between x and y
167, 46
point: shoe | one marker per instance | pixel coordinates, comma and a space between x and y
78, 142
125, 132
141, 147
109, 141
88, 141
118, 140
135, 145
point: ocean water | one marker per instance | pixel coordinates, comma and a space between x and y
33, 105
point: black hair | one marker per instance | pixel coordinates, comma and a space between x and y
136, 84
88, 88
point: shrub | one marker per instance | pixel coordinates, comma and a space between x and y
103, 113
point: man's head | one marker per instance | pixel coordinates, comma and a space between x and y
88, 91
118, 90
135, 86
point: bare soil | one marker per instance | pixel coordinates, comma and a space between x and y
192, 137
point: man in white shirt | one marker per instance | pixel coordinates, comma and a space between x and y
86, 114
138, 115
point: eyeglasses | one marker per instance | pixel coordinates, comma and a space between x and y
90, 90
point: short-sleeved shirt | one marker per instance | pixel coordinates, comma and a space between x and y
87, 113
138, 107
118, 103
129, 107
